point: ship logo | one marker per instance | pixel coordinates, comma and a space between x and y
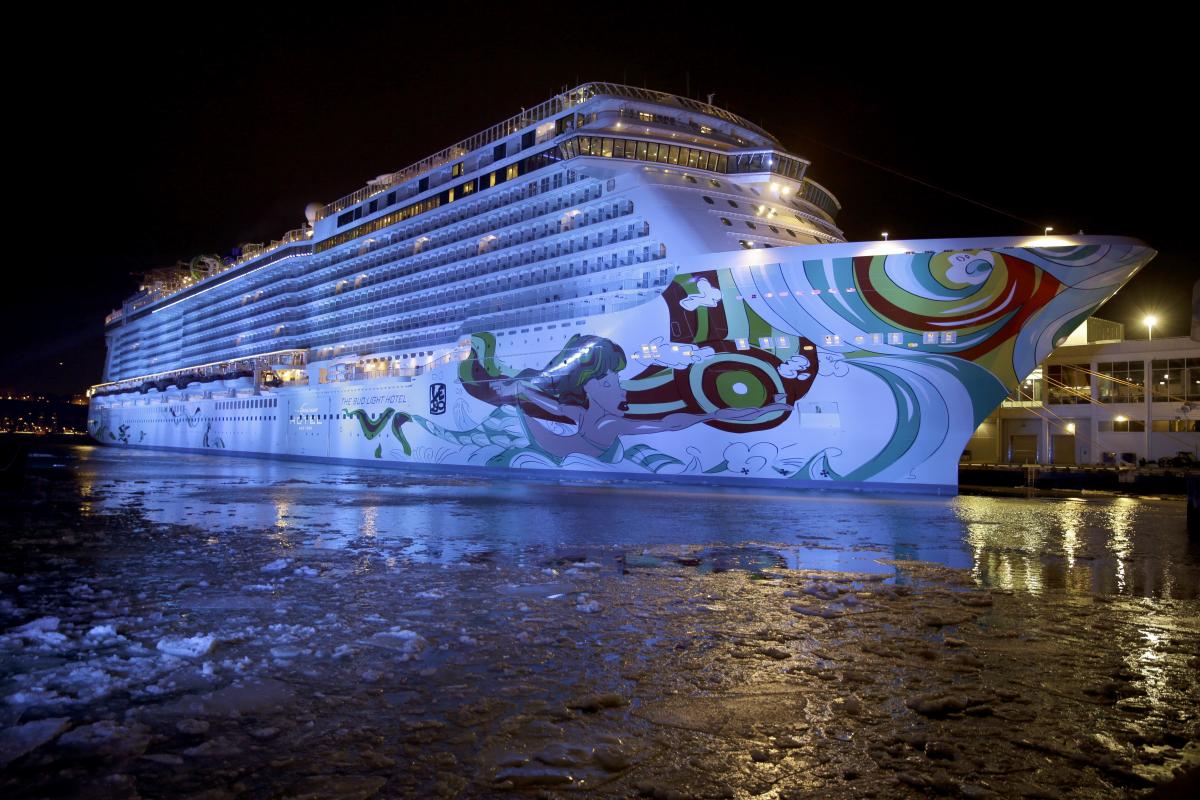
437, 398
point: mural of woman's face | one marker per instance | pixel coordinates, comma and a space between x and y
606, 393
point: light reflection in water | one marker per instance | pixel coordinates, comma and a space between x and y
367, 526
1119, 519
1096, 543
1070, 516
281, 514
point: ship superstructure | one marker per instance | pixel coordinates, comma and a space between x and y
465, 310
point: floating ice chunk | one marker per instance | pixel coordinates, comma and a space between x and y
410, 643
258, 587
831, 612
170, 759
306, 572
102, 632
89, 682
586, 606
34, 697
21, 739
43, 630
37, 626
278, 565
192, 727
186, 646
107, 738
430, 594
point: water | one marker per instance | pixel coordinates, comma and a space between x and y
206, 627
1095, 543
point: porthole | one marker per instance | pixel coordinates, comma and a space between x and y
708, 200
725, 221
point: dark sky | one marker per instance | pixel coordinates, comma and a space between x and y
138, 149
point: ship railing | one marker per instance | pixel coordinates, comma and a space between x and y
555, 105
820, 197
185, 281
634, 115
215, 370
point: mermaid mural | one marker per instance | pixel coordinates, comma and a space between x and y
574, 411
917, 348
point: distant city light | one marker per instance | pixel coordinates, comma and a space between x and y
1150, 321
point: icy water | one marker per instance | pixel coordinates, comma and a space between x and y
1093, 543
186, 626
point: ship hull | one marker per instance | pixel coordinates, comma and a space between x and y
861, 365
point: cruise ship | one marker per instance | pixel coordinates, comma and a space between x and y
615, 284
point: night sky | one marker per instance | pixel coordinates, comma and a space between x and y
138, 150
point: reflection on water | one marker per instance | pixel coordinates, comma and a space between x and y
1095, 544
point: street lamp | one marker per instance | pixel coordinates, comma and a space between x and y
1150, 321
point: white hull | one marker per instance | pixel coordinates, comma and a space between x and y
839, 366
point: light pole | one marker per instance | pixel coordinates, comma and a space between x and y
1150, 321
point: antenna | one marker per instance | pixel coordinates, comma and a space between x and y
711, 95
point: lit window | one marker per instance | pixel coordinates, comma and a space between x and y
949, 337
895, 337
764, 342
930, 337
743, 344
832, 339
